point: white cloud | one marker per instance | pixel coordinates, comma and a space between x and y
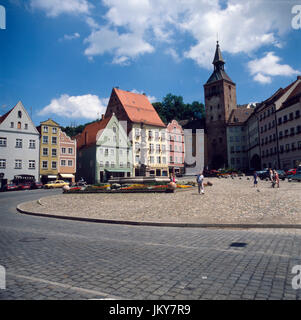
173, 53
151, 99
269, 66
54, 8
70, 36
242, 27
122, 46
75, 107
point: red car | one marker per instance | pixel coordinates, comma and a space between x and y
36, 185
10, 187
291, 172
24, 186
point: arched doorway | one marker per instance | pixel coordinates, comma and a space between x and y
255, 162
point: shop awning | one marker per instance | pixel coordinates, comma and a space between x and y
67, 175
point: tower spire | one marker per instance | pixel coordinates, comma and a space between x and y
218, 60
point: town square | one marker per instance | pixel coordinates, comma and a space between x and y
150, 151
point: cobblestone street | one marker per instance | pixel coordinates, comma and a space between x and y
58, 259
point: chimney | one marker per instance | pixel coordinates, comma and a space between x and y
102, 116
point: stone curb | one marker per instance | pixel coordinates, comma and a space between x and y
165, 224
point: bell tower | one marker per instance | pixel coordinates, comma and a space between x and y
220, 100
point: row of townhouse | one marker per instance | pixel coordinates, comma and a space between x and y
129, 140
29, 153
268, 134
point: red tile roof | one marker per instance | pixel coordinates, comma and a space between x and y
2, 118
240, 115
138, 108
89, 135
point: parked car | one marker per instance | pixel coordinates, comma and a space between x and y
56, 184
36, 185
10, 187
291, 172
298, 172
263, 174
24, 186
295, 177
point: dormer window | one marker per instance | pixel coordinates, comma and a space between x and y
20, 114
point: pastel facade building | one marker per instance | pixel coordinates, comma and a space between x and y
67, 157
103, 151
19, 146
176, 148
49, 150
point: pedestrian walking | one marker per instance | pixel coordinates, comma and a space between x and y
271, 173
255, 176
276, 178
200, 182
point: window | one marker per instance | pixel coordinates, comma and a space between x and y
45, 139
19, 125
137, 159
163, 136
112, 164
26, 126
3, 142
285, 119
101, 163
171, 159
32, 144
297, 115
107, 164
18, 143
11, 124
70, 163
158, 159
164, 160
299, 145
53, 164
291, 115
152, 160
53, 140
70, 150
279, 120
157, 148
31, 164
121, 164
20, 114
63, 150
106, 152
53, 152
54, 130
63, 163
45, 129
128, 164
44, 164
114, 129
2, 163
18, 164
45, 152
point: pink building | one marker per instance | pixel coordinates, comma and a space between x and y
67, 157
176, 147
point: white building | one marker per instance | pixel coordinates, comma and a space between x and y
19, 146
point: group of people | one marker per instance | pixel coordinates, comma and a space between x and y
273, 175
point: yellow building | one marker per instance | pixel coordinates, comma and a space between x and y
49, 150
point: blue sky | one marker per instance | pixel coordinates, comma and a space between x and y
62, 58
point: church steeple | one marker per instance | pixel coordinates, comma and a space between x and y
218, 60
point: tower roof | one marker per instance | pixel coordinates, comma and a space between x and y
218, 55
219, 73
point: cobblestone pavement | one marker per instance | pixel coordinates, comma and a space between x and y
57, 259
228, 201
